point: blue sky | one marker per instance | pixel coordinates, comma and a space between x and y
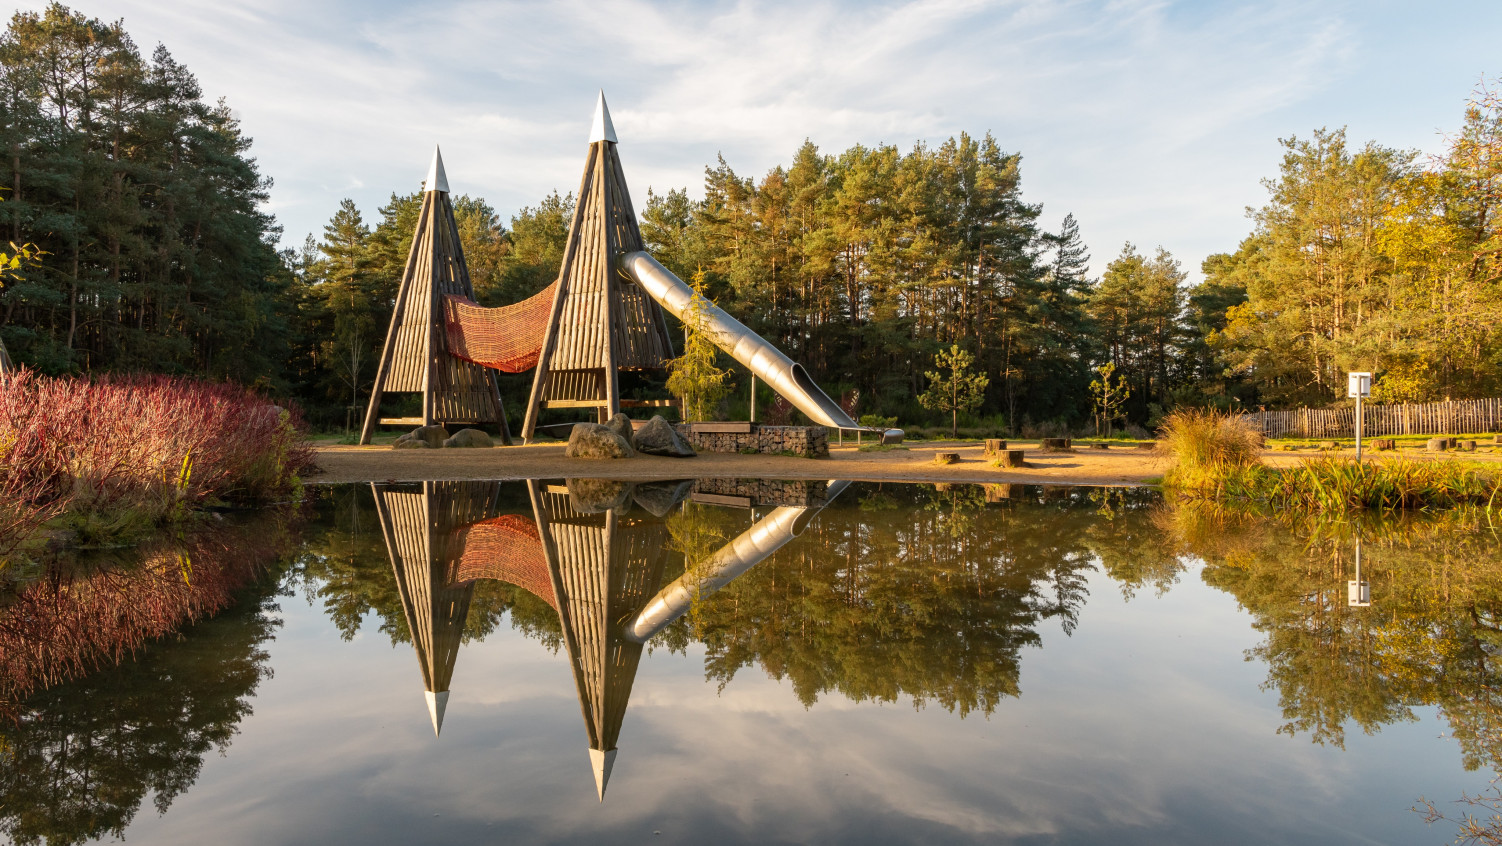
1153, 122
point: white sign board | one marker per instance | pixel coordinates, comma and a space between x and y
1358, 384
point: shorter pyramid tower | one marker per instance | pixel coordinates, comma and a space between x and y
416, 356
601, 322
424, 531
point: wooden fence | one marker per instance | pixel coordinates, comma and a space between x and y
1430, 418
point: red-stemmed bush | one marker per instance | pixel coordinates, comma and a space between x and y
137, 450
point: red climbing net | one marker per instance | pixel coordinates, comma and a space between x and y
507, 549
507, 338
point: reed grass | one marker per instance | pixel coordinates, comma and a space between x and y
1215, 458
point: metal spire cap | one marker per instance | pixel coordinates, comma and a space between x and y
603, 129
603, 762
437, 702
438, 180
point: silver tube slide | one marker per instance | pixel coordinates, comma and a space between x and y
748, 549
785, 376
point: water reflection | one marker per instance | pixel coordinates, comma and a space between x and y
929, 595
78, 758
1429, 633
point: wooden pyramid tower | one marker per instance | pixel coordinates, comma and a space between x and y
604, 568
6, 365
601, 321
416, 356
424, 531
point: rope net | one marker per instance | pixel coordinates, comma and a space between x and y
507, 549
508, 338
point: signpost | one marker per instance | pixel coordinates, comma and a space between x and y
1358, 385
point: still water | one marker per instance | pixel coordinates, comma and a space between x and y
755, 662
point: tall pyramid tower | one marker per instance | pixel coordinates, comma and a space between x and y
424, 538
604, 568
416, 356
601, 322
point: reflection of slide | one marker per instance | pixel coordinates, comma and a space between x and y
748, 549
784, 375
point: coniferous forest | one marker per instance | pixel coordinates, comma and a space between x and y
146, 203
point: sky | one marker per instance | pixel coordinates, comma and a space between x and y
1153, 122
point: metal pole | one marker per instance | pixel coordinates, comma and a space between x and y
1358, 432
753, 396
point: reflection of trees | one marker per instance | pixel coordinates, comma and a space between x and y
77, 760
76, 615
934, 598
1431, 636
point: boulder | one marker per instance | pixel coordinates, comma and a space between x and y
469, 439
430, 436
1056, 445
596, 496
621, 425
594, 440
658, 498
658, 437
409, 442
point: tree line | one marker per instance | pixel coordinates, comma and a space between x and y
146, 207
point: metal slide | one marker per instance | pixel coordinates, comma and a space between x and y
748, 549
785, 376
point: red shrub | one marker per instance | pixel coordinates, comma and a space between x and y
152, 445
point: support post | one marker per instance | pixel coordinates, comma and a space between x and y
753, 396
1358, 428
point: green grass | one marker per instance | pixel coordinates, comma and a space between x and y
1215, 459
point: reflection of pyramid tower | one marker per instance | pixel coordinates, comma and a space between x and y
604, 567
424, 538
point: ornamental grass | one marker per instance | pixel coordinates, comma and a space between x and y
1215, 458
102, 460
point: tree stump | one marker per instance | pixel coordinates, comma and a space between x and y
946, 457
1010, 458
1497, 440
1384, 444
1100, 446
994, 445
1328, 445
1147, 444
1055, 444
1438, 444
1467, 446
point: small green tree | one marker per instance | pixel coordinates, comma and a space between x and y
954, 387
1108, 393
695, 376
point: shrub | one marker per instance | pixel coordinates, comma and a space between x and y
118, 454
1207, 448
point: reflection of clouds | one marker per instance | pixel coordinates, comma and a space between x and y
1129, 731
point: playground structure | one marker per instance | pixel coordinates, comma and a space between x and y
602, 315
6, 365
416, 356
599, 570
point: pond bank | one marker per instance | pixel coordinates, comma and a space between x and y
1115, 466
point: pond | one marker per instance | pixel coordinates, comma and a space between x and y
733, 661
